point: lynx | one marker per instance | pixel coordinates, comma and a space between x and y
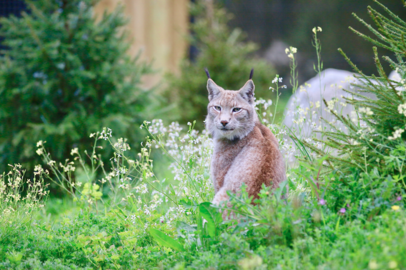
245, 151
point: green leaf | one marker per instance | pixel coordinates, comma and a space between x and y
184, 226
212, 216
188, 203
165, 240
97, 195
280, 189
199, 219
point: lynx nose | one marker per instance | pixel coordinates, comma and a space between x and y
224, 123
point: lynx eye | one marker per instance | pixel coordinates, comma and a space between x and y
217, 108
236, 109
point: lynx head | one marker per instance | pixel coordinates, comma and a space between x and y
230, 114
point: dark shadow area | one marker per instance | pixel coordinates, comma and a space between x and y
10, 7
276, 24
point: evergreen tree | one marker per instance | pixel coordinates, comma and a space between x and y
64, 76
228, 58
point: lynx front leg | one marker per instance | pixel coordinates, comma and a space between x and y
249, 167
220, 196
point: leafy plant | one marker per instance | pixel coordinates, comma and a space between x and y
165, 240
20, 198
379, 121
64, 76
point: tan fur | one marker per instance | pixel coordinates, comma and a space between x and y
245, 151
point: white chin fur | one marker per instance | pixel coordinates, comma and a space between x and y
231, 134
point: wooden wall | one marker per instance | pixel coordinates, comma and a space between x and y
158, 28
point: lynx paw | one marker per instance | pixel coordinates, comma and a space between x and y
220, 196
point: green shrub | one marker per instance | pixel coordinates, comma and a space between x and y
227, 57
64, 76
372, 147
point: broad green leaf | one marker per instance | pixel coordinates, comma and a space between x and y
165, 240
199, 219
184, 226
212, 216
188, 203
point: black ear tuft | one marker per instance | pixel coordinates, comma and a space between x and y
252, 73
207, 73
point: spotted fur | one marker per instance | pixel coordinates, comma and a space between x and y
245, 151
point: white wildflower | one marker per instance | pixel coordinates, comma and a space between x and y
51, 163
402, 109
39, 151
316, 29
275, 80
353, 142
366, 110
396, 134
74, 151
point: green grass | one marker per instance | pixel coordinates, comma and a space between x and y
87, 240
83, 231
344, 210
154, 213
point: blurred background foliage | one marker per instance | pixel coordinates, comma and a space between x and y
64, 76
228, 58
65, 73
274, 24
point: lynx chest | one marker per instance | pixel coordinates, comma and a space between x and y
224, 155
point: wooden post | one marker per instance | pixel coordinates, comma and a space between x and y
158, 29
180, 30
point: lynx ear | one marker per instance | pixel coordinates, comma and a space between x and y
247, 91
213, 89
